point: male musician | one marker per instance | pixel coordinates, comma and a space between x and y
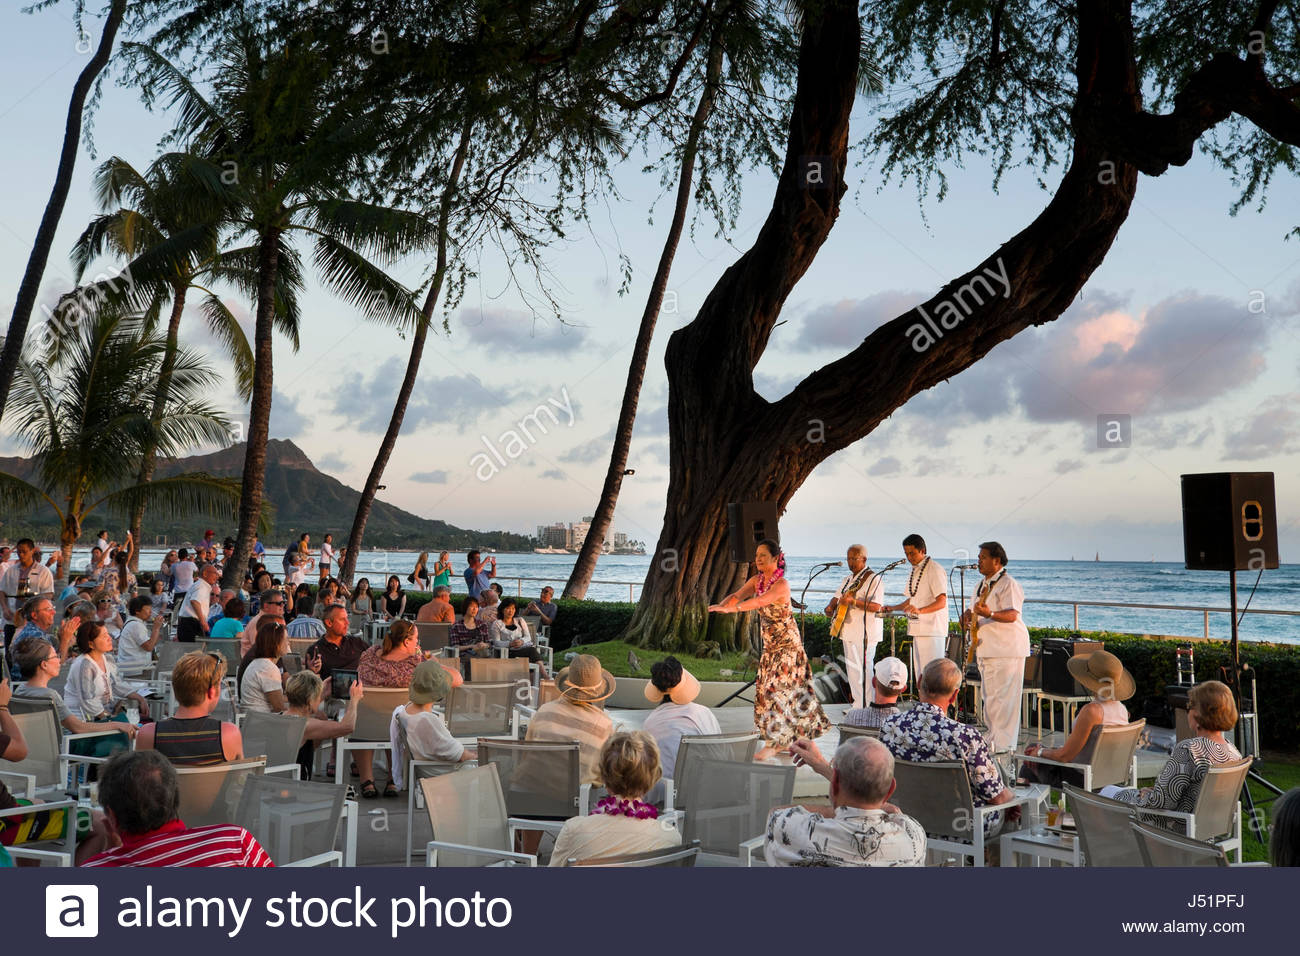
861, 630
1003, 644
926, 597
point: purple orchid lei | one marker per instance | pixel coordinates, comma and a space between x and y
617, 806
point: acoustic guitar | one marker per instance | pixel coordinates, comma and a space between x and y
846, 601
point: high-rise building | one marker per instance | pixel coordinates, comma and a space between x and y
553, 535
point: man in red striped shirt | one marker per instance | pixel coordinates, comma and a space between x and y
141, 799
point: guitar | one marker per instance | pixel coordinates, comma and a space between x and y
975, 618
846, 601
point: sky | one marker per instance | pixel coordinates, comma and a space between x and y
1191, 327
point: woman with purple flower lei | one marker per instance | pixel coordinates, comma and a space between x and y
785, 704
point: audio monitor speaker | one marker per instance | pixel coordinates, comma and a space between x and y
749, 522
1229, 521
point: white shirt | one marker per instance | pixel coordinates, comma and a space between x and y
91, 692
930, 585
871, 590
327, 554
201, 592
502, 638
603, 834
132, 658
426, 735
668, 722
39, 581
183, 574
996, 638
261, 677
853, 837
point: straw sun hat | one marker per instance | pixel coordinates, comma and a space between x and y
684, 691
1103, 674
585, 680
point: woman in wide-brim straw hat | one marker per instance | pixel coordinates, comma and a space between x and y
674, 689
1102, 673
578, 714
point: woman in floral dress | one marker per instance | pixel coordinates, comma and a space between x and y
785, 704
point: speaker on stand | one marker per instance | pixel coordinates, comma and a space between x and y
1230, 524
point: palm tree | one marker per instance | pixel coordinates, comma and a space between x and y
83, 408
167, 227
285, 158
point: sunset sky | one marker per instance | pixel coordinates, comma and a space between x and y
1191, 326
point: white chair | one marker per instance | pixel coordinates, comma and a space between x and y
1161, 848
673, 856
433, 636
728, 803
938, 796
374, 712
1216, 816
415, 769
60, 851
47, 769
1104, 828
277, 737
297, 822
1109, 757
693, 748
468, 814
485, 709
211, 794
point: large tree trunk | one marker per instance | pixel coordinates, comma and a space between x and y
31, 284
149, 461
259, 411
418, 338
730, 444
593, 546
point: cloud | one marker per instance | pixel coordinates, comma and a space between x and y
654, 451
774, 387
1166, 436
438, 477
554, 473
652, 421
843, 325
527, 331
334, 461
286, 420
590, 452
885, 467
1273, 429
1067, 465
456, 400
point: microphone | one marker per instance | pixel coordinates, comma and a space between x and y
890, 567
967, 567
831, 564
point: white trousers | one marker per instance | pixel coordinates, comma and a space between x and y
1001, 681
926, 648
859, 660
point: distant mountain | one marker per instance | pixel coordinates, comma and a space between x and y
304, 499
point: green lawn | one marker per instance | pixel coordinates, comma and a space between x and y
613, 657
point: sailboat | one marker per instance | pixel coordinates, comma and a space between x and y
1098, 557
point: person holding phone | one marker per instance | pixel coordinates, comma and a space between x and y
479, 573
339, 650
305, 692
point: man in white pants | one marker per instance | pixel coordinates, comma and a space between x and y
862, 590
925, 602
1003, 644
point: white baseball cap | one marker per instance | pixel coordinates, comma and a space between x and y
892, 673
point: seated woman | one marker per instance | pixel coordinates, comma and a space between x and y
391, 663
1103, 674
426, 733
139, 636
304, 692
620, 823
468, 634
95, 691
38, 663
192, 737
511, 632
363, 601
394, 600
261, 682
1210, 711
230, 625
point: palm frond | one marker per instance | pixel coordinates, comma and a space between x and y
363, 284
179, 496
17, 496
225, 328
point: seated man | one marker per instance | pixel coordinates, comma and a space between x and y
439, 610
142, 801
889, 680
305, 623
860, 828
39, 615
927, 734
487, 609
544, 607
192, 737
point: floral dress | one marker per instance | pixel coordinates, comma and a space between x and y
785, 704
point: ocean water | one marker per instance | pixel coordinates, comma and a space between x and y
621, 576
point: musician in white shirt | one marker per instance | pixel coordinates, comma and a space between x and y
1003, 645
926, 597
861, 630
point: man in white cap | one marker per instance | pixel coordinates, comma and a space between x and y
674, 689
860, 596
888, 682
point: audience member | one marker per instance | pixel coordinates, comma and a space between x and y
544, 607
426, 733
136, 641
183, 570
579, 713
363, 599
36, 664
1284, 841
674, 689
21, 581
1211, 712
304, 692
394, 599
272, 602
442, 571
488, 601
467, 634
861, 828
95, 690
230, 626
141, 798
392, 662
926, 734
887, 683
107, 611
326, 557
192, 737
511, 632
305, 623
261, 682
339, 650
39, 615
620, 823
419, 578
192, 622
1102, 673
158, 597
479, 572
439, 609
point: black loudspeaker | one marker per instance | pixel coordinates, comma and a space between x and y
749, 522
1055, 673
1229, 521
